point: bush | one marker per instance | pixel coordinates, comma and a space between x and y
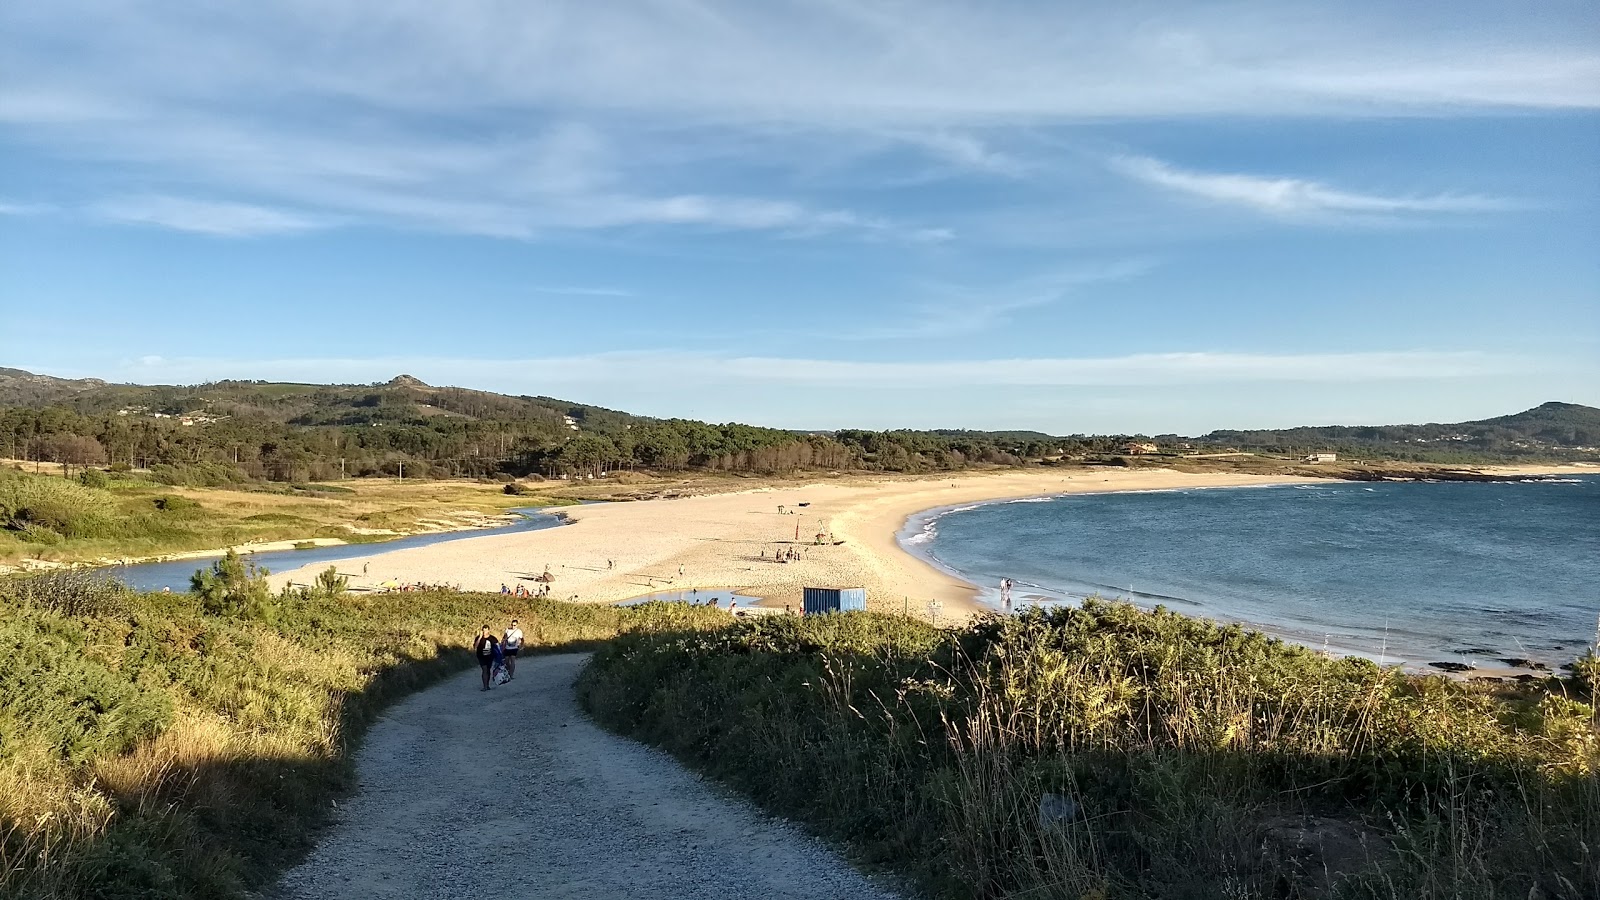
29, 503
93, 478
206, 474
233, 587
517, 490
176, 504
163, 752
1191, 754
73, 705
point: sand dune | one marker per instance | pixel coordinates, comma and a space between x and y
729, 541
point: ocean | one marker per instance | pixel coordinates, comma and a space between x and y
1402, 572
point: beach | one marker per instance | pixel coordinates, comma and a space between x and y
618, 551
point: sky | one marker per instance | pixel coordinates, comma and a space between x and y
1069, 217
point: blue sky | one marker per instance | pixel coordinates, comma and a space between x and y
926, 214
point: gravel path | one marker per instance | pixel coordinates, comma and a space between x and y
514, 793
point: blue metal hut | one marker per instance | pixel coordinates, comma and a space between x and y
825, 600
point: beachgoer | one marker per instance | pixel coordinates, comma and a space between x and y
486, 647
504, 589
510, 643
364, 568
680, 570
611, 564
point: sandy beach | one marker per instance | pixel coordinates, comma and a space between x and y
617, 551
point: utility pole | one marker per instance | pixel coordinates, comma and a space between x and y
402, 471
341, 468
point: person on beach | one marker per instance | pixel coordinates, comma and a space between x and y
487, 649
510, 643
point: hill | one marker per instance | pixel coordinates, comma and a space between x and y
402, 400
21, 388
1556, 430
227, 431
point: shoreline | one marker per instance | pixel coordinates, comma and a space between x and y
620, 551
248, 548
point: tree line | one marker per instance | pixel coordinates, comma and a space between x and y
246, 445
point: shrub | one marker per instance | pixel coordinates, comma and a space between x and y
1192, 755
330, 583
93, 478
74, 705
67, 592
517, 490
176, 504
65, 507
233, 587
163, 752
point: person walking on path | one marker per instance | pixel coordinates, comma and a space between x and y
510, 643
486, 647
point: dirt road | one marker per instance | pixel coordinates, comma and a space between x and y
514, 793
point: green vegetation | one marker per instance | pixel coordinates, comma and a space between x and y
171, 745
228, 432
120, 516
1109, 753
1548, 431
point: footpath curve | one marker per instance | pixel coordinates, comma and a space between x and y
515, 793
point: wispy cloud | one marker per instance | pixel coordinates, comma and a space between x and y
483, 117
204, 217
957, 310
694, 369
581, 291
1293, 197
9, 208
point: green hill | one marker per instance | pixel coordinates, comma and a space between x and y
1555, 430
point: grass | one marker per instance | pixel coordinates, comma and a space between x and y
51, 518
1196, 761
152, 749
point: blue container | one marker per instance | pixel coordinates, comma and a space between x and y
826, 600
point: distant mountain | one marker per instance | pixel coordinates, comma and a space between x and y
1550, 428
403, 400
20, 388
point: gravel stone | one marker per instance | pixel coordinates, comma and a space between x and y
514, 793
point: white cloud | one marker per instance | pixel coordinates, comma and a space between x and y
204, 217
1292, 197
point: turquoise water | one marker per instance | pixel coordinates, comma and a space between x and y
175, 575
1404, 572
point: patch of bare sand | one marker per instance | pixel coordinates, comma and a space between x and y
618, 551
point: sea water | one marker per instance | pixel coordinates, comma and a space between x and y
1405, 573
174, 575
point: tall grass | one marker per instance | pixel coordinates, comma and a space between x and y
1111, 752
150, 749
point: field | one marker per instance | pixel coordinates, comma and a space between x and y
107, 517
1110, 753
180, 745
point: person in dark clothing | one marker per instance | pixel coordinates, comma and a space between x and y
486, 647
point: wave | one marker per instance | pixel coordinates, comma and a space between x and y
926, 535
1033, 500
